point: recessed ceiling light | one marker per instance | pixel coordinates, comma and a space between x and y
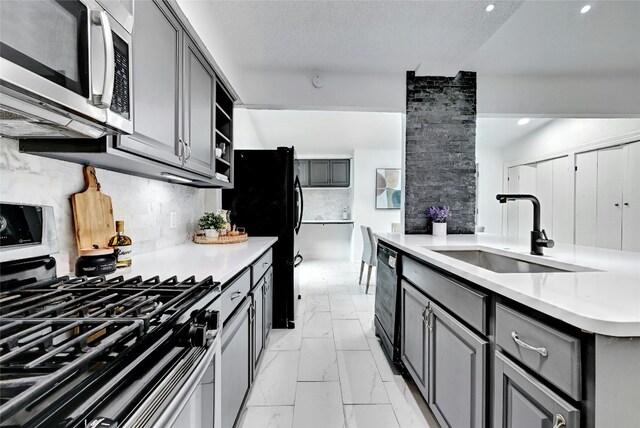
585, 9
490, 8
523, 121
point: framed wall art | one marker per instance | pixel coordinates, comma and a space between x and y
388, 188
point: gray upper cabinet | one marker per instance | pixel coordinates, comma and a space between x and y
414, 341
157, 47
458, 371
522, 401
329, 173
199, 84
340, 173
303, 172
319, 173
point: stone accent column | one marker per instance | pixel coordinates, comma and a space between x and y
441, 150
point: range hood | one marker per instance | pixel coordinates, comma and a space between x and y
22, 116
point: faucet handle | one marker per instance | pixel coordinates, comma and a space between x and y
544, 233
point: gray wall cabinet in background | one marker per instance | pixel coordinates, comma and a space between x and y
327, 172
303, 172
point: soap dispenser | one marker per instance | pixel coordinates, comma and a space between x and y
345, 214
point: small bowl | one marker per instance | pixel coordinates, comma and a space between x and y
96, 262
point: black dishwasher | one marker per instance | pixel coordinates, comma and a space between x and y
386, 308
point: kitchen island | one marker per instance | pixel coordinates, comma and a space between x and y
548, 347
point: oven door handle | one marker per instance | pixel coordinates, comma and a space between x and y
164, 405
104, 100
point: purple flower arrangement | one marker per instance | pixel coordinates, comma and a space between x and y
439, 214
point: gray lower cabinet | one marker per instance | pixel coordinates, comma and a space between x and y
457, 382
268, 303
522, 401
414, 340
157, 47
258, 313
236, 363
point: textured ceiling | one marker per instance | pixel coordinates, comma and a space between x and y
357, 36
328, 132
494, 133
553, 38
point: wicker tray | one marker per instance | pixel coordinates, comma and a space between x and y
235, 239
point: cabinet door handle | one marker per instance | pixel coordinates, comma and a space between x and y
236, 294
617, 205
559, 421
180, 149
187, 147
252, 312
540, 350
626, 204
264, 264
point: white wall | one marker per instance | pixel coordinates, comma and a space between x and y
144, 205
489, 185
365, 213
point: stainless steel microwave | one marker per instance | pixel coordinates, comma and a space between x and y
65, 68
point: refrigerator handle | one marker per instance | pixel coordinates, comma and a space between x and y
301, 209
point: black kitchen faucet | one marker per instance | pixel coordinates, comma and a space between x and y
539, 238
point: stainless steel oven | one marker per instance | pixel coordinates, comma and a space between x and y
65, 68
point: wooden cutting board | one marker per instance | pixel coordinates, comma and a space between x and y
92, 213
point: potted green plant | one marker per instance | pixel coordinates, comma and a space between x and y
211, 223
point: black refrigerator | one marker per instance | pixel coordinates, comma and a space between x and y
267, 201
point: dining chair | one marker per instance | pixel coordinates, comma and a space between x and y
368, 253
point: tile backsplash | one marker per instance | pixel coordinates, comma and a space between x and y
144, 205
326, 204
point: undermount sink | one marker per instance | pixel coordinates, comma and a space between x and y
503, 264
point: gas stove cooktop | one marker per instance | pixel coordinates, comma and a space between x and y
78, 352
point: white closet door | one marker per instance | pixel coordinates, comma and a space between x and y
544, 193
586, 198
526, 185
631, 198
609, 205
562, 212
512, 208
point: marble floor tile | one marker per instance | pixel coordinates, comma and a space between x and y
349, 335
284, 339
360, 381
318, 405
275, 383
267, 417
405, 406
318, 361
366, 321
364, 302
318, 288
370, 416
342, 310
317, 303
383, 364
317, 324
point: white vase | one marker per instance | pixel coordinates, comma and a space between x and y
211, 233
439, 229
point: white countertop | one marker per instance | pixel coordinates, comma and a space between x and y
327, 221
605, 302
220, 261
